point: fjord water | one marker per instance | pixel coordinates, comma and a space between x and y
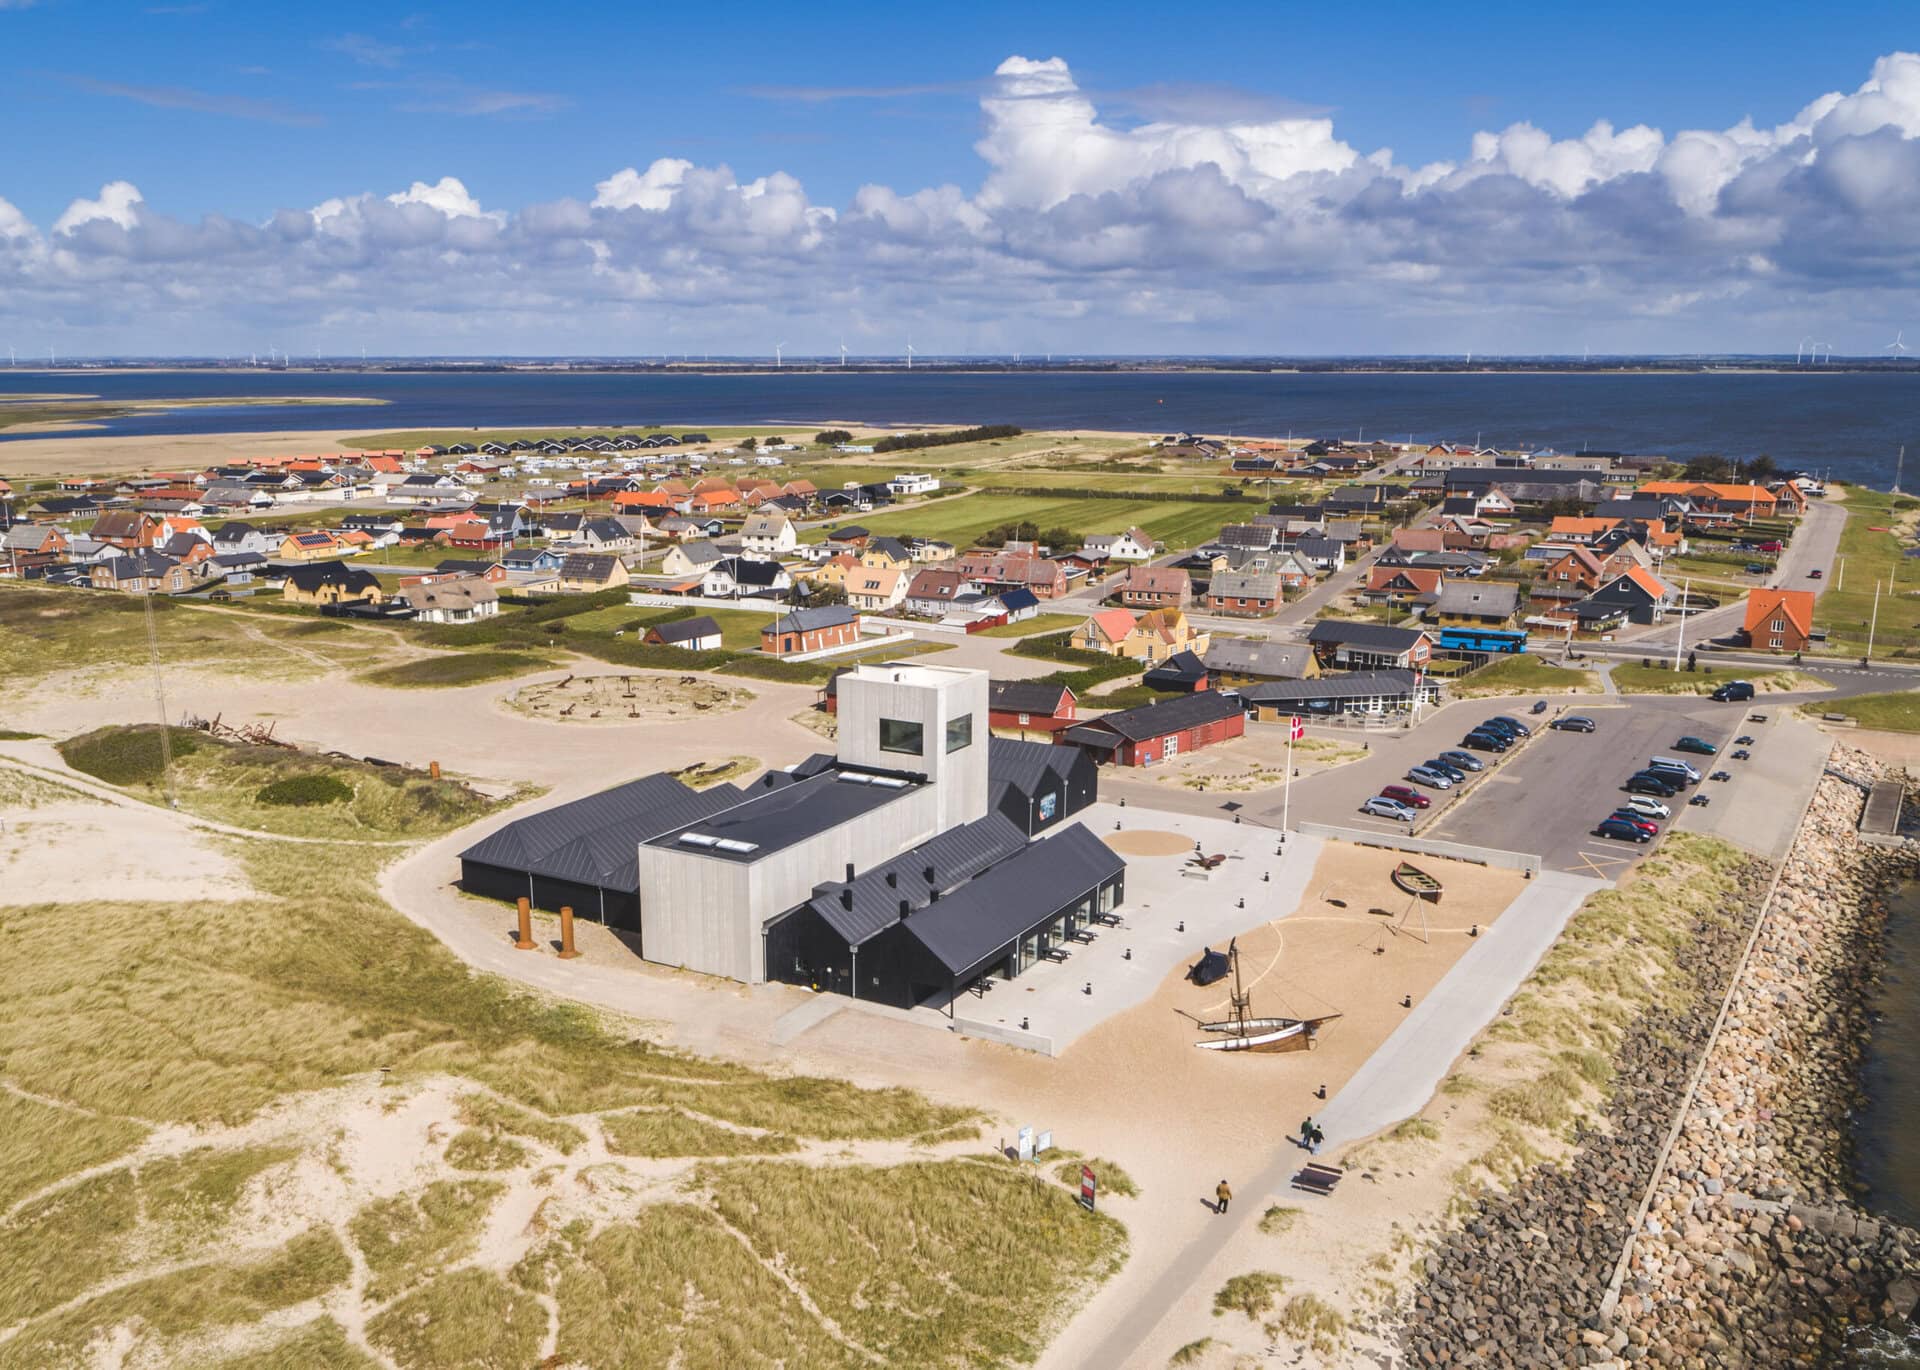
1850, 422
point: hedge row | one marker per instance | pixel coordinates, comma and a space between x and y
906, 442
1229, 496
633, 652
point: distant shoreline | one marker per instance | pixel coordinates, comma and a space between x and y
761, 370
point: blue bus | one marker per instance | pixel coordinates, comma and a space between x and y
1493, 641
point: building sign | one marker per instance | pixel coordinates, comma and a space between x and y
1049, 805
1026, 1144
1086, 1187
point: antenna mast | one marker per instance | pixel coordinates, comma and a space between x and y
160, 701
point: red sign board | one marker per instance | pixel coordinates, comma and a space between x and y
1086, 1186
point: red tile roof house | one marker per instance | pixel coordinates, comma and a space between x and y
1154, 733
1396, 584
1779, 620
1152, 587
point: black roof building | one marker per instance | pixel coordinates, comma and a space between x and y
686, 630
1165, 716
1182, 671
1025, 696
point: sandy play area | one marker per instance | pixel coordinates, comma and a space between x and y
626, 698
1146, 842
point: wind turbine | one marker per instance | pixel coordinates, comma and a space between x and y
1806, 344
1898, 346
909, 354
776, 355
843, 352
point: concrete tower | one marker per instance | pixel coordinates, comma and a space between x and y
929, 719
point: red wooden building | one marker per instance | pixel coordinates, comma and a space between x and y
1159, 732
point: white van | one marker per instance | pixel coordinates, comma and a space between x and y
1675, 765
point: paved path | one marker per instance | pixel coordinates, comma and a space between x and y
1402, 1074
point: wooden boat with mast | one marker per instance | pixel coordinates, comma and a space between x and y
1242, 1032
1410, 879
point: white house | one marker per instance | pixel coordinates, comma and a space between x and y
738, 577
769, 535
913, 483
467, 599
876, 589
1132, 545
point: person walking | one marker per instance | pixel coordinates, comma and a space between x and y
1222, 1196
1314, 1139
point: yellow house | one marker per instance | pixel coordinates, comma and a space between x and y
879, 557
832, 571
1152, 637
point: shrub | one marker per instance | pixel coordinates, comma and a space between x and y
1252, 1294
126, 756
305, 791
906, 442
832, 437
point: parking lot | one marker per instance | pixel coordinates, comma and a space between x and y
1546, 795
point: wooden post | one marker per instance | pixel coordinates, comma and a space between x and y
567, 951
433, 769
526, 925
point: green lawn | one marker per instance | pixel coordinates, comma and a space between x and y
455, 669
1177, 523
1039, 623
1634, 679
1845, 609
1521, 675
1892, 713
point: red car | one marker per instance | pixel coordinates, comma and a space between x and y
1638, 820
1407, 795
1770, 547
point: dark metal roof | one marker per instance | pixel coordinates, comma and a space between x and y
1376, 637
1024, 697
1166, 716
970, 926
806, 620
772, 820
1026, 765
594, 841
312, 576
1357, 685
954, 857
687, 629
1184, 667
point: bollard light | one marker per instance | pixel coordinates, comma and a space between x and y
1023, 1023
1406, 1001
1240, 903
1127, 955
1474, 931
1089, 988
1181, 926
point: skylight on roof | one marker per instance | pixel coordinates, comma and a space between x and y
697, 839
734, 844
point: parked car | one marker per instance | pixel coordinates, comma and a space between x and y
1645, 782
1426, 775
1446, 768
1407, 795
1773, 546
1699, 746
1756, 568
1573, 723
1816, 574
1485, 742
1381, 807
1621, 831
1734, 691
1512, 725
1539, 706
1639, 820
1673, 766
1466, 761
1652, 808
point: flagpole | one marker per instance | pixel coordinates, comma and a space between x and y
1286, 788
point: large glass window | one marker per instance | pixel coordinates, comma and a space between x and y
897, 735
959, 732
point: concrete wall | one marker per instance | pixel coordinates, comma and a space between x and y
1485, 856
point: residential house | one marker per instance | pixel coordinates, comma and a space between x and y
1370, 693
1154, 587
1638, 594
1155, 733
913, 483
1779, 620
331, 582
142, 572
603, 534
811, 630
37, 544
1417, 540
833, 571
1244, 594
697, 634
1258, 536
933, 590
885, 551
745, 577
317, 544
461, 599
877, 589
125, 528
1324, 555
1716, 497
768, 535
1243, 660
585, 573
691, 559
930, 549
1585, 531
1030, 706
1358, 646
1402, 584
1571, 576
1106, 631
529, 559
1132, 545
1458, 604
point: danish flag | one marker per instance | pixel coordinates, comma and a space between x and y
1297, 730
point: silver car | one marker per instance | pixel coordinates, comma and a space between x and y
1382, 807
1429, 777
1646, 804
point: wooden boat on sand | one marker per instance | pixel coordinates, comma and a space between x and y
1266, 1034
1410, 879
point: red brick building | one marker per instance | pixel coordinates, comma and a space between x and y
1154, 733
811, 630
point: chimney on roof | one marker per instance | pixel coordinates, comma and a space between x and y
849, 872
928, 873
846, 898
893, 880
905, 908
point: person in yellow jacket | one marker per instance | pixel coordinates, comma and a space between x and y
1222, 1195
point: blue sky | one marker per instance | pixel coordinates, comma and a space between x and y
243, 114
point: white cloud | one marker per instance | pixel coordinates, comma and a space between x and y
1222, 224
118, 203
